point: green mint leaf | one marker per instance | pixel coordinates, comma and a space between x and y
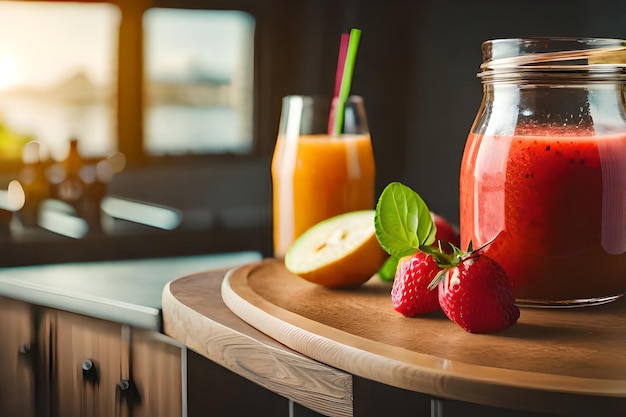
403, 221
387, 272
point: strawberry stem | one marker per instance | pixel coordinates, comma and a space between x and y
446, 261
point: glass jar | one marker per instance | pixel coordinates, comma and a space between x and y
543, 176
317, 174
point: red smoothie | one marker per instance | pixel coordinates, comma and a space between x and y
553, 205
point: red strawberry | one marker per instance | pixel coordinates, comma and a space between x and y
410, 294
478, 296
473, 290
445, 232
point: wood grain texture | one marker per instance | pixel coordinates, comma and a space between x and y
195, 315
558, 361
76, 338
17, 354
156, 372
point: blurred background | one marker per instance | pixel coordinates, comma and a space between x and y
138, 128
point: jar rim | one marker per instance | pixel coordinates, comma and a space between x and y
553, 53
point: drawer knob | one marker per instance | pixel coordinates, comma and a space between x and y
25, 349
124, 385
128, 392
90, 372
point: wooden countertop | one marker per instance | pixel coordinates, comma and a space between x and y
195, 315
559, 361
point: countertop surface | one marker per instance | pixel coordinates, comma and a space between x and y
568, 361
127, 291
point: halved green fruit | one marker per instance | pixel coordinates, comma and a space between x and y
339, 252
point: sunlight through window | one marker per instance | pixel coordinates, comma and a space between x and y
58, 72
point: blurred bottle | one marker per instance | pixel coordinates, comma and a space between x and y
32, 178
71, 188
96, 180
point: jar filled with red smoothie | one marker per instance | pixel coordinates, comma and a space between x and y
543, 176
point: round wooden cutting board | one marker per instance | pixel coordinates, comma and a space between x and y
552, 360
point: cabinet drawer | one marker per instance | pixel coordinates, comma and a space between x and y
157, 373
90, 359
17, 358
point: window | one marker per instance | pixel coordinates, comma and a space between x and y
58, 72
198, 81
60, 81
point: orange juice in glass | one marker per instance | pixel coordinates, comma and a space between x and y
317, 175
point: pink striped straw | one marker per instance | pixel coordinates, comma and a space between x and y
341, 63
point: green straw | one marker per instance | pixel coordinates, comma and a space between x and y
346, 80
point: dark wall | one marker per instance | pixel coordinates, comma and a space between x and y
447, 90
417, 70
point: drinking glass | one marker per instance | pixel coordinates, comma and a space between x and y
317, 174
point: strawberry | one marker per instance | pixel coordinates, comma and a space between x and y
477, 295
410, 294
473, 290
446, 236
445, 232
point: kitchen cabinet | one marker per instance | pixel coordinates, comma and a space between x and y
58, 363
157, 367
84, 339
17, 359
